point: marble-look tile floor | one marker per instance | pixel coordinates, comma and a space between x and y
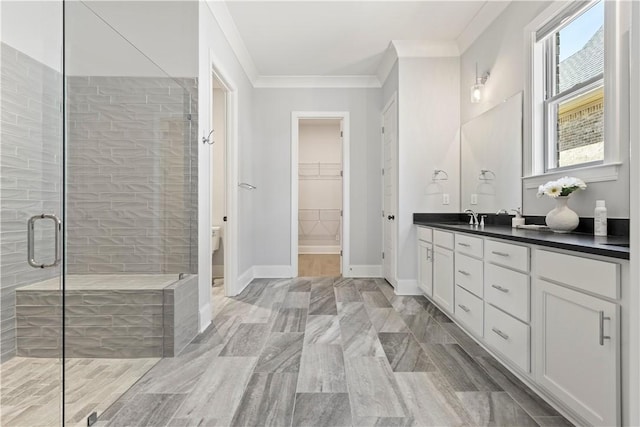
329, 352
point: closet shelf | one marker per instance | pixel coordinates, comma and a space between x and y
319, 171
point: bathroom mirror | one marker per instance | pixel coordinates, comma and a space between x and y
491, 151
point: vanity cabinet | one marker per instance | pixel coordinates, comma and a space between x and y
443, 280
552, 316
577, 338
425, 261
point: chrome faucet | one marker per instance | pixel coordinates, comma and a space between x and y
473, 217
502, 211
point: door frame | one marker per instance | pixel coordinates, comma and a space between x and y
295, 136
230, 240
394, 229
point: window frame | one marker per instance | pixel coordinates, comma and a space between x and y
550, 123
616, 87
552, 99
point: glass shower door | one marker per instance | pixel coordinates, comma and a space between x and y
31, 213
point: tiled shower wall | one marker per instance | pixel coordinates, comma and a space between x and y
132, 175
30, 170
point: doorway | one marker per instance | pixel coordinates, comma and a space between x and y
319, 194
389, 151
218, 139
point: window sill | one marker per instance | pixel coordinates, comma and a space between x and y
598, 173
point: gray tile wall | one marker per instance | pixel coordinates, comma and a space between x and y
108, 323
180, 315
99, 323
30, 171
132, 186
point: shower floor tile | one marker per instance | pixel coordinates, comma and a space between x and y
31, 388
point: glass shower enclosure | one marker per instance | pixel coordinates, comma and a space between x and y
98, 205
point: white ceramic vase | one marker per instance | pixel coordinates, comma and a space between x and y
562, 219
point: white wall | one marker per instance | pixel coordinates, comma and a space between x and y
272, 171
166, 31
500, 49
429, 120
634, 344
35, 29
319, 141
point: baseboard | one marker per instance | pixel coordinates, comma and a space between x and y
368, 271
407, 287
318, 249
243, 281
218, 271
204, 317
272, 271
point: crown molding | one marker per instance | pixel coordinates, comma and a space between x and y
397, 49
317, 82
425, 49
480, 22
228, 26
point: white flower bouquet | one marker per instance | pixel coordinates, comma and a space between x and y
562, 187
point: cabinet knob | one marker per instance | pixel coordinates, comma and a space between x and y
391, 217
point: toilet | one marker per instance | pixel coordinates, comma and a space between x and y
216, 231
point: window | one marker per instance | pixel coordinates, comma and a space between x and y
573, 83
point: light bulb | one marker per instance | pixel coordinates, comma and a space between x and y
476, 93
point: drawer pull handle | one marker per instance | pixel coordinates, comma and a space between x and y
466, 245
464, 272
602, 335
500, 333
464, 308
500, 288
500, 253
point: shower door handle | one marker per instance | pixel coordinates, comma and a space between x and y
31, 241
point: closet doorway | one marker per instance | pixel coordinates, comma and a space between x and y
319, 180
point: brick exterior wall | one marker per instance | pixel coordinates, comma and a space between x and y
580, 127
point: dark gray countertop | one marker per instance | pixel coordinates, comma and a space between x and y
587, 243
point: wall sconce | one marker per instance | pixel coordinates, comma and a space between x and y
478, 87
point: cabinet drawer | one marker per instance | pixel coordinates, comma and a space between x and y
425, 234
468, 274
469, 245
507, 254
599, 277
468, 310
508, 290
443, 238
507, 335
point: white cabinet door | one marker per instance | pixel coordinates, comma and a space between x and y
425, 267
443, 277
578, 351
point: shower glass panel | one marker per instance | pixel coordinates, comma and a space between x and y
131, 195
31, 171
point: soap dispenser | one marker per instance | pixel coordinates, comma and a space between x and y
518, 219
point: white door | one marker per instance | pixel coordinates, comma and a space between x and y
390, 152
578, 350
443, 277
425, 267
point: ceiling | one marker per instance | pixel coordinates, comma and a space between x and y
343, 38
